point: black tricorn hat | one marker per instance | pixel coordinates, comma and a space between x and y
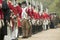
29, 3
19, 4
24, 2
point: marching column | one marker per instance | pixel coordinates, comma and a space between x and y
45, 20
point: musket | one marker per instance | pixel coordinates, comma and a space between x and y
27, 2
41, 7
47, 10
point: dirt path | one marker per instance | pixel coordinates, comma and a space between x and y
51, 34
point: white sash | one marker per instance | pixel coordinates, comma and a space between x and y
24, 14
45, 22
33, 21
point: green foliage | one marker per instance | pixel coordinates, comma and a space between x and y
53, 5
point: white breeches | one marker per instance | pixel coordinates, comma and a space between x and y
9, 34
45, 23
15, 33
44, 27
33, 21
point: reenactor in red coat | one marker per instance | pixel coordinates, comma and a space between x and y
15, 20
11, 6
45, 17
19, 10
30, 11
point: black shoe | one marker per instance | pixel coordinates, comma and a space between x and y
15, 39
25, 37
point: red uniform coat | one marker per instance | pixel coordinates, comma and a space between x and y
36, 15
11, 6
30, 12
19, 23
19, 10
45, 15
0, 1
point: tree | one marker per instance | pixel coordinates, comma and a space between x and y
55, 7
